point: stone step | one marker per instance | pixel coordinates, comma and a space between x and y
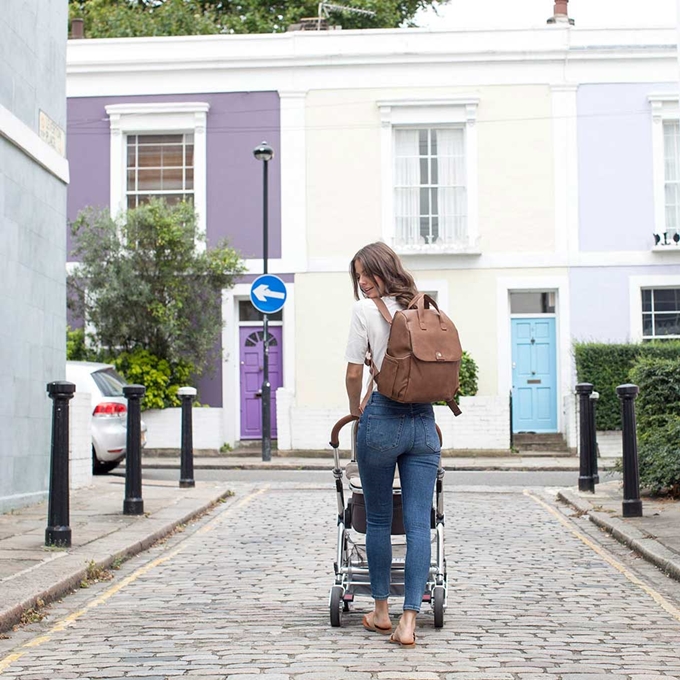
533, 441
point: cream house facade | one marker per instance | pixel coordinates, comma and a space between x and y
458, 148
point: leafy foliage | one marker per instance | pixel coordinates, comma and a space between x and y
161, 378
659, 458
77, 348
468, 376
134, 18
607, 366
659, 399
144, 284
468, 379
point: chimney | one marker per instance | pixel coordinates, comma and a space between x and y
77, 29
561, 14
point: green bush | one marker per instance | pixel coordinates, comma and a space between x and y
76, 347
161, 378
468, 379
468, 376
659, 397
607, 366
659, 458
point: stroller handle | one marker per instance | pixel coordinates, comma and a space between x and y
335, 434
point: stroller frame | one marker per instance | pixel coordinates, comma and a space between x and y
351, 569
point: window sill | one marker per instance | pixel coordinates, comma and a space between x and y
460, 248
668, 248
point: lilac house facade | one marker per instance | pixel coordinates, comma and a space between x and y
628, 193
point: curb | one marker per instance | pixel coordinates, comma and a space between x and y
329, 466
630, 536
49, 584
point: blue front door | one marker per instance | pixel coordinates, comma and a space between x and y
534, 375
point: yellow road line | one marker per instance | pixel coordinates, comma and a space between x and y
64, 623
657, 597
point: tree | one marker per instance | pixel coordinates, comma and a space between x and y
143, 282
133, 18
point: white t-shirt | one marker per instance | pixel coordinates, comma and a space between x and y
368, 327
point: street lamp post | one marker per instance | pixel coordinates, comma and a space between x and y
265, 153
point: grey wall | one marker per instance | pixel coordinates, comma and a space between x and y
32, 247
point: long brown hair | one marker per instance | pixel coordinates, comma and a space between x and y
378, 259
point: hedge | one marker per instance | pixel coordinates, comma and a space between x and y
607, 366
659, 458
659, 398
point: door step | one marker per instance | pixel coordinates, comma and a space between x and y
533, 441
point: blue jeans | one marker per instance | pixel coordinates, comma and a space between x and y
390, 434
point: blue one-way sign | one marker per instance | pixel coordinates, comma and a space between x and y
268, 293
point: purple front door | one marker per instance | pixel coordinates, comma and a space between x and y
252, 359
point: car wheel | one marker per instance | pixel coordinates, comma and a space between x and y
101, 467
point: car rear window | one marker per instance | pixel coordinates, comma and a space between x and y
109, 382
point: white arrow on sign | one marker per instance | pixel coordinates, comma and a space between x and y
262, 292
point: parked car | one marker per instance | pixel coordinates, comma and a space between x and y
109, 411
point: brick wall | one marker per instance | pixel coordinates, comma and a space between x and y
484, 424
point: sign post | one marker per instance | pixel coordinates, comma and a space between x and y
268, 295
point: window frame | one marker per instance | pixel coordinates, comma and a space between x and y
654, 314
458, 112
158, 118
665, 109
137, 168
636, 285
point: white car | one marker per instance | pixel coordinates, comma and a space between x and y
109, 411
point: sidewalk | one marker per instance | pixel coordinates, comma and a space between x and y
655, 535
101, 534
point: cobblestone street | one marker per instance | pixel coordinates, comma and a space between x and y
244, 593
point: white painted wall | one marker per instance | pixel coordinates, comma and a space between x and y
164, 428
80, 440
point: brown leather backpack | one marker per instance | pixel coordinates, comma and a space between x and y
422, 362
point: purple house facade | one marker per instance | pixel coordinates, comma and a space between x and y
198, 147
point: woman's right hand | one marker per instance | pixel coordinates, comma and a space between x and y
356, 411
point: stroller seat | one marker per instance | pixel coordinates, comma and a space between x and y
352, 476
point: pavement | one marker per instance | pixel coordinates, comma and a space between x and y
32, 575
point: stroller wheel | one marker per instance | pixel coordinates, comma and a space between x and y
336, 605
438, 594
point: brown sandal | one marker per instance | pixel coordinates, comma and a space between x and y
375, 628
403, 644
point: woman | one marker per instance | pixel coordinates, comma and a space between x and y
390, 434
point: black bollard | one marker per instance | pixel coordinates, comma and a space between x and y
632, 505
133, 503
593, 438
585, 480
58, 531
186, 477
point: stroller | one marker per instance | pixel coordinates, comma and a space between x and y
351, 567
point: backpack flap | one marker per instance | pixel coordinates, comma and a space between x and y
433, 336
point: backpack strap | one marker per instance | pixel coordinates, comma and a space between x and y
380, 304
454, 407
